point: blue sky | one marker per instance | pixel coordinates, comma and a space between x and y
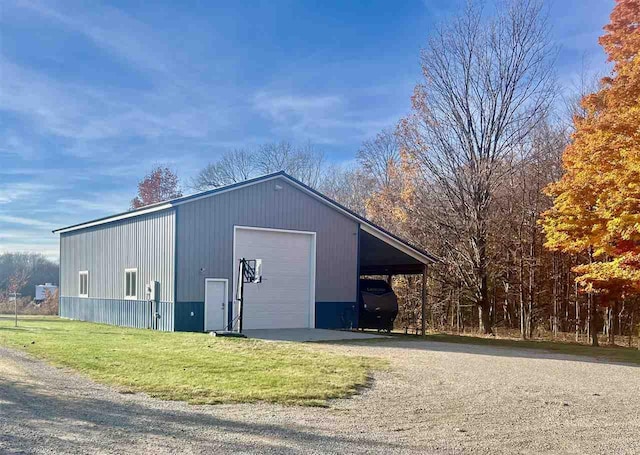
92, 94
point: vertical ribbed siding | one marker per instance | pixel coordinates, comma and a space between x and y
145, 242
189, 317
204, 234
126, 313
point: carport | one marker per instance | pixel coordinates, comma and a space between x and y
384, 254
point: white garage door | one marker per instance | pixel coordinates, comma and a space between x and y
285, 297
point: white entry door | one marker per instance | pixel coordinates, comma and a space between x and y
286, 296
215, 303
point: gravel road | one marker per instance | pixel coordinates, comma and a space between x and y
436, 398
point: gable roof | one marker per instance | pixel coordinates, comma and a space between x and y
365, 224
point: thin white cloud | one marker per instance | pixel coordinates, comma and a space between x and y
11, 235
49, 249
22, 221
16, 191
87, 115
30, 171
13, 145
96, 205
280, 107
171, 105
111, 30
321, 119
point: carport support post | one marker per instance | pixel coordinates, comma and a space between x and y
424, 300
241, 266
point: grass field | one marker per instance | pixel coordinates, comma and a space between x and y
191, 367
605, 353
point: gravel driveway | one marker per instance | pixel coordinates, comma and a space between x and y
435, 398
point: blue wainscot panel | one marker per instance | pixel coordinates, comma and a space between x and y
336, 315
189, 317
126, 313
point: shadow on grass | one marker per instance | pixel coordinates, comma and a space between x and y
65, 422
33, 317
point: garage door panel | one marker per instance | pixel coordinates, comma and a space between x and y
283, 313
283, 299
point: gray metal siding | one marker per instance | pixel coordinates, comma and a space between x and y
145, 242
204, 239
126, 313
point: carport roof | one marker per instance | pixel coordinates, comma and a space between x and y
421, 256
380, 258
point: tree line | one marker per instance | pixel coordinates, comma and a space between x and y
530, 197
21, 272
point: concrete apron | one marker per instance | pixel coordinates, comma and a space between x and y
303, 335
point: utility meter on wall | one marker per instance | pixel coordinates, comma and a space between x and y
152, 291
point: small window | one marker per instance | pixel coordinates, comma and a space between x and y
131, 281
83, 284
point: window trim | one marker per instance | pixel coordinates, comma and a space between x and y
135, 290
82, 273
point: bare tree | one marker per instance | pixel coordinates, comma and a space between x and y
588, 82
349, 187
379, 156
235, 166
487, 84
16, 281
41, 270
302, 162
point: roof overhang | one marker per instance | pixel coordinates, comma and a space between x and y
377, 256
112, 218
402, 246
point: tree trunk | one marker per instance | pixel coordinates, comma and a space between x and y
505, 305
554, 321
532, 278
619, 329
484, 317
593, 327
577, 313
631, 328
566, 301
588, 324
423, 305
485, 304
610, 324
458, 315
523, 331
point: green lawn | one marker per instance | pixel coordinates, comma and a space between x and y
605, 353
192, 367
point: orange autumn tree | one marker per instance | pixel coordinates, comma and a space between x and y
597, 201
386, 205
395, 206
159, 185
